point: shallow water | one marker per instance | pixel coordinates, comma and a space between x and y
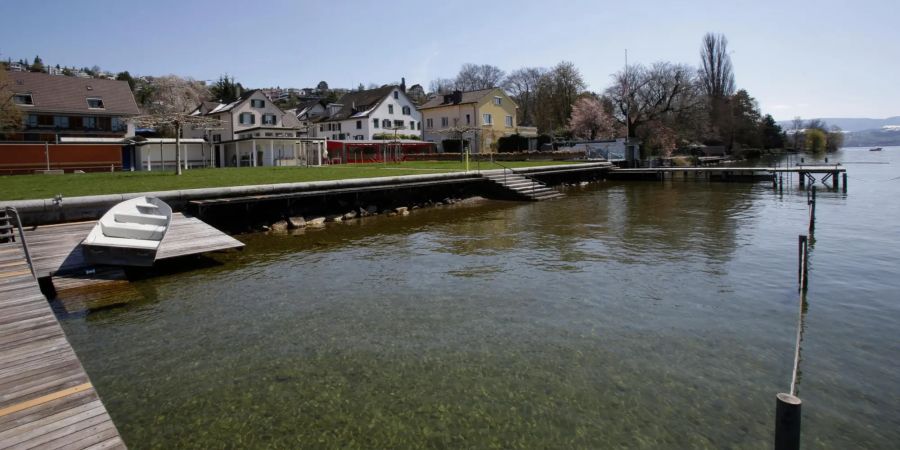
632, 314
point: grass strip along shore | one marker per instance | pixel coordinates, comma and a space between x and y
24, 187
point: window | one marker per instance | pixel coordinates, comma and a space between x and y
390, 109
429, 123
412, 124
420, 126
445, 122
117, 124
23, 99
359, 124
269, 119
358, 137
217, 138
406, 110
398, 124
95, 103
509, 123
374, 123
89, 122
31, 120
339, 126
247, 118
396, 94
269, 134
61, 122
385, 123
487, 119
468, 119
497, 101
321, 127
257, 103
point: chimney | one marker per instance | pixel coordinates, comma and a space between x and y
403, 84
457, 96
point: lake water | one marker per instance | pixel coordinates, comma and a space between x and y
628, 314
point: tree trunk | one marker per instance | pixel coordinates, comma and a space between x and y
178, 149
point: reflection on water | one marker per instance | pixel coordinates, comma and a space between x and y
638, 314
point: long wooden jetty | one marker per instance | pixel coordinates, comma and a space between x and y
46, 397
805, 173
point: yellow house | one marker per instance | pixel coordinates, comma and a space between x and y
479, 118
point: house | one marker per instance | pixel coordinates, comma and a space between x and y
255, 132
17, 67
55, 107
478, 118
370, 114
307, 114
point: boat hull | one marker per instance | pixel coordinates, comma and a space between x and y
118, 256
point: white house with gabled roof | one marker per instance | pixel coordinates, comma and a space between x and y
363, 115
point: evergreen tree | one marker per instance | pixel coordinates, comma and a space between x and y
772, 135
225, 89
125, 76
37, 65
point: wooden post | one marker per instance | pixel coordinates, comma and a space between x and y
802, 178
812, 210
787, 422
803, 262
845, 181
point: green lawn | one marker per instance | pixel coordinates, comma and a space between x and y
19, 187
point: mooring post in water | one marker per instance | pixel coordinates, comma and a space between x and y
802, 268
836, 181
787, 422
802, 177
845, 182
812, 210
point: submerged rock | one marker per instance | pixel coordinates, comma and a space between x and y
402, 210
281, 225
349, 215
334, 219
296, 222
315, 222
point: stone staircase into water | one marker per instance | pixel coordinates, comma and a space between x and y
522, 186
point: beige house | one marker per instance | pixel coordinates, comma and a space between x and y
478, 118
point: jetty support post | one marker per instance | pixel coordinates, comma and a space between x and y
811, 201
803, 262
835, 175
802, 176
787, 422
845, 182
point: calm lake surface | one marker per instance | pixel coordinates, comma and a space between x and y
628, 314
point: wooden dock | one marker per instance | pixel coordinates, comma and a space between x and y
46, 398
806, 173
56, 250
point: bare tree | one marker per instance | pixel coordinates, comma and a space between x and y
556, 92
174, 99
441, 86
797, 126
472, 77
10, 115
642, 95
716, 72
522, 85
590, 120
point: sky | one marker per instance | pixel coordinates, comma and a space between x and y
824, 58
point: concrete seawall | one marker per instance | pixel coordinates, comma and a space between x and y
46, 211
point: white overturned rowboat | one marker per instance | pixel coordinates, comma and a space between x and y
129, 233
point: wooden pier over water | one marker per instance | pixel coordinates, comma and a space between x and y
46, 397
805, 173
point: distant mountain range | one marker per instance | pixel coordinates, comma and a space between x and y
850, 124
862, 132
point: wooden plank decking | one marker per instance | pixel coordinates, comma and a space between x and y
55, 249
46, 398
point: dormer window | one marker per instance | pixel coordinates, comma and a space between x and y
95, 103
257, 103
23, 99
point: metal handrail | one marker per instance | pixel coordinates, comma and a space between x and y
534, 181
11, 213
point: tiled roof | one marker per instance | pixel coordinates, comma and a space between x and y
360, 103
446, 99
62, 94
